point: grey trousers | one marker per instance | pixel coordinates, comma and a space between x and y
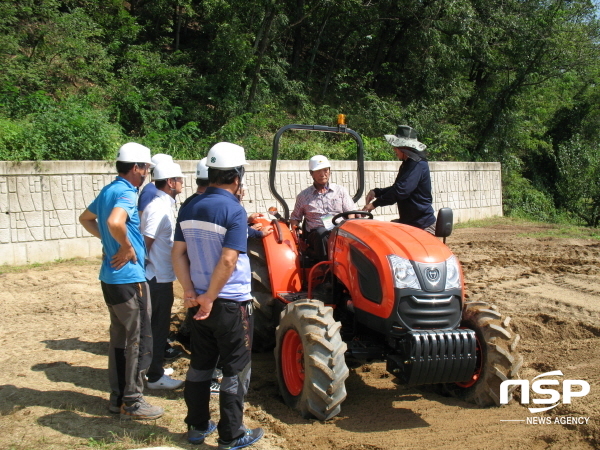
130, 347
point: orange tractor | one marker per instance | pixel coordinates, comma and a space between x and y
387, 292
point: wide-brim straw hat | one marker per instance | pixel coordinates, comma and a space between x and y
406, 137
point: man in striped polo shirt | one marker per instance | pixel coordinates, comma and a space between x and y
210, 262
318, 203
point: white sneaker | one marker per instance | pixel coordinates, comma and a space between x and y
165, 382
167, 371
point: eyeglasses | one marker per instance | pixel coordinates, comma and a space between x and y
142, 166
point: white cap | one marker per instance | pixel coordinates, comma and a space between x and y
318, 162
165, 170
161, 157
135, 153
202, 169
225, 155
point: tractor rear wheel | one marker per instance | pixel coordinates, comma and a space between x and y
309, 357
497, 356
265, 311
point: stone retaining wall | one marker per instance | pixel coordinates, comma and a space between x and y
40, 202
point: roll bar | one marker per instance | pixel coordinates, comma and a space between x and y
340, 129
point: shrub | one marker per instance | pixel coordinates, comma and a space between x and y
523, 201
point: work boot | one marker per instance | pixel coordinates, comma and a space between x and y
141, 410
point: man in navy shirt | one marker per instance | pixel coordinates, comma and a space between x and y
113, 217
412, 189
210, 262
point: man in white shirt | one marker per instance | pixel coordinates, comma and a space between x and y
158, 226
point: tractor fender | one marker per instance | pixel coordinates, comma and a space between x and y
282, 261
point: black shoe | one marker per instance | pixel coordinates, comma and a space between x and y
172, 353
248, 438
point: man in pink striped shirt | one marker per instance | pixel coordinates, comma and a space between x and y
318, 203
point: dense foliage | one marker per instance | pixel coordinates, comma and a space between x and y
514, 81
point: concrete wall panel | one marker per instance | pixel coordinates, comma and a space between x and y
40, 202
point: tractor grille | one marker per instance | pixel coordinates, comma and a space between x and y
430, 312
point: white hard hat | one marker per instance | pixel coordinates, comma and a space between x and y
165, 170
225, 155
135, 153
318, 162
202, 169
161, 157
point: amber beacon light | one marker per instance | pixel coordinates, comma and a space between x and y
341, 119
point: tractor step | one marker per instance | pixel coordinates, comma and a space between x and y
289, 297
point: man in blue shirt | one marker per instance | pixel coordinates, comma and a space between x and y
412, 189
113, 217
210, 262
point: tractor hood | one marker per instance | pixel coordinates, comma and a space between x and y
387, 238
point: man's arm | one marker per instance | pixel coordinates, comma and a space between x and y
219, 278
298, 212
148, 241
181, 267
406, 182
89, 221
117, 226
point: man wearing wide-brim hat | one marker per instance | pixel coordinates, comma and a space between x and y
412, 189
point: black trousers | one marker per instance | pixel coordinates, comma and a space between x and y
225, 336
161, 298
317, 243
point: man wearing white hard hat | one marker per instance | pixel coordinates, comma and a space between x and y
210, 261
201, 181
149, 191
146, 196
113, 218
158, 226
412, 189
318, 204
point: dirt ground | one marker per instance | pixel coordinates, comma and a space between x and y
53, 379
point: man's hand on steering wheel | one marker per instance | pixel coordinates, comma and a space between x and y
369, 207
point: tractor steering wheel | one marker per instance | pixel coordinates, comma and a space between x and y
345, 215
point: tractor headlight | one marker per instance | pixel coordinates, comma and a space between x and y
403, 273
452, 273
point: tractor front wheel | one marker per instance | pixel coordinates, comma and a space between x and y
497, 356
309, 356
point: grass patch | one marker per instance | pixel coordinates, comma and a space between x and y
500, 221
6, 268
538, 229
566, 232
132, 439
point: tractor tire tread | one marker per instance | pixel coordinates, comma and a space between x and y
325, 369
